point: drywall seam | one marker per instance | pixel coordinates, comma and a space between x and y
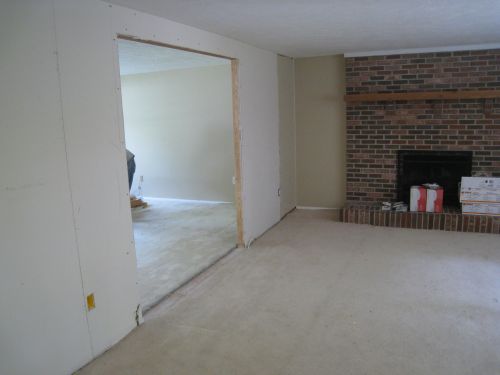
70, 188
295, 130
96, 158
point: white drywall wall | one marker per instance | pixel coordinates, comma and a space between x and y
43, 328
64, 191
286, 88
96, 154
179, 125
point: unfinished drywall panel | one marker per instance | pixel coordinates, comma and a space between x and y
287, 134
43, 329
97, 167
88, 63
179, 125
320, 117
63, 160
259, 117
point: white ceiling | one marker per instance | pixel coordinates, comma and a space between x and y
301, 28
138, 58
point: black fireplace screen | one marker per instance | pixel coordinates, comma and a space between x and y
443, 167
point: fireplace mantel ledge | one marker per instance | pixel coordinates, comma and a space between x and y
423, 95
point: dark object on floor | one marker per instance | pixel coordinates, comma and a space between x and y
130, 168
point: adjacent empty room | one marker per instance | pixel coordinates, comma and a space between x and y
177, 111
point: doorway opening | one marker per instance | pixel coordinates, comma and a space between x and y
181, 129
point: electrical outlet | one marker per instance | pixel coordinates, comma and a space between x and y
141, 178
279, 192
90, 302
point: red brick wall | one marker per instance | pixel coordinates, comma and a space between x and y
376, 130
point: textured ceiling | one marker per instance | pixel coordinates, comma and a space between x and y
319, 27
138, 58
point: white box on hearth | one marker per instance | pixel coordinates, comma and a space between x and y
492, 209
480, 190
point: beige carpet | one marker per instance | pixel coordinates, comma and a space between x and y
176, 239
318, 297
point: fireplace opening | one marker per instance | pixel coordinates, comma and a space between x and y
443, 167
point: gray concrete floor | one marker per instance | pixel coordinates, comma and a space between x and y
176, 239
315, 296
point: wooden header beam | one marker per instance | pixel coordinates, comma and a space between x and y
424, 95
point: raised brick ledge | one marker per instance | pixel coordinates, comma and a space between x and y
454, 222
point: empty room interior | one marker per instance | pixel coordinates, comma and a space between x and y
282, 187
177, 115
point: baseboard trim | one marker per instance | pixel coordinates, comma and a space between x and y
186, 200
316, 208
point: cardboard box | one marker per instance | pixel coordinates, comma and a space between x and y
480, 189
479, 195
435, 199
492, 209
481, 182
418, 199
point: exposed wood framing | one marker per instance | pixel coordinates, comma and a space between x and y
160, 44
237, 150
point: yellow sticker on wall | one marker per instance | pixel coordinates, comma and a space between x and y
90, 302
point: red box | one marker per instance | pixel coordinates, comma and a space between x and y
434, 199
418, 198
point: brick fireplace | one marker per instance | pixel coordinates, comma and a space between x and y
445, 168
377, 130
415, 103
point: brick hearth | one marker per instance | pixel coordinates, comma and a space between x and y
449, 221
376, 130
